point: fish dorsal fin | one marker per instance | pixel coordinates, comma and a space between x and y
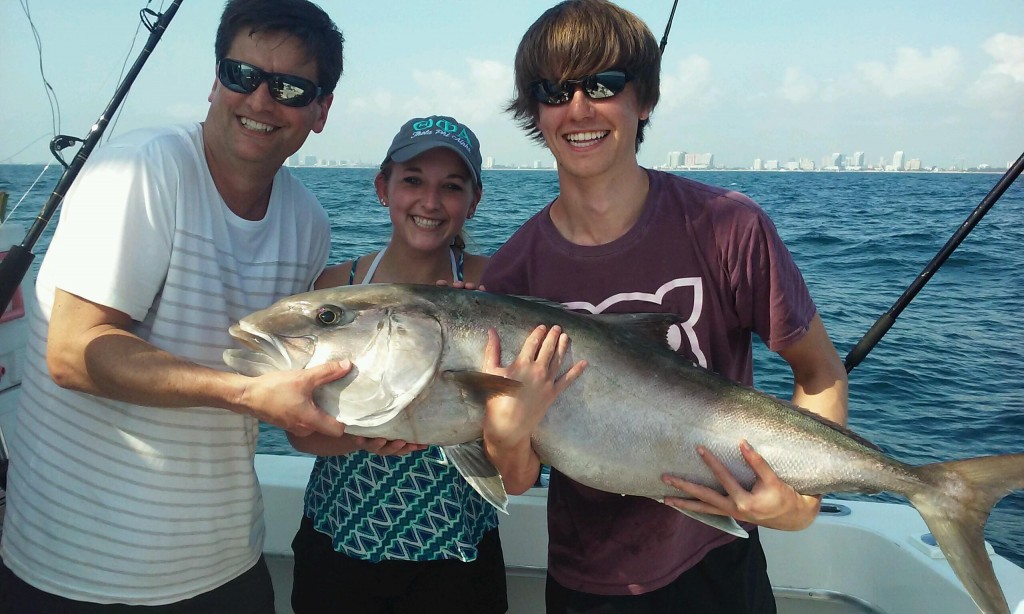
838, 427
540, 301
472, 464
649, 326
479, 387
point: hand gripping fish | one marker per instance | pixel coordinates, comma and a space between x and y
417, 353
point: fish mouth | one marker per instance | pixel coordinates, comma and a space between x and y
273, 350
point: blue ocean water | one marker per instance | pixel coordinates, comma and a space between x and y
944, 383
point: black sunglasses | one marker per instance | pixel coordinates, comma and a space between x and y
602, 85
289, 90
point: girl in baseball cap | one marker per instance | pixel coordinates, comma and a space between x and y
346, 553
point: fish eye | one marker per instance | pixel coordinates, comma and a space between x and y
329, 315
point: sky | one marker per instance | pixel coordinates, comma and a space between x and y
942, 81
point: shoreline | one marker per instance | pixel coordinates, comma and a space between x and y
659, 168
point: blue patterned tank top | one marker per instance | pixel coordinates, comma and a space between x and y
411, 508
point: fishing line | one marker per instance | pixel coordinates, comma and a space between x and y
16, 264
51, 95
10, 214
34, 141
145, 18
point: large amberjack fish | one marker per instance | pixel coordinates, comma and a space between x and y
638, 411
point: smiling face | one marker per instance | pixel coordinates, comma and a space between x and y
429, 198
590, 138
253, 130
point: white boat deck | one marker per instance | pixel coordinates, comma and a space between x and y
870, 560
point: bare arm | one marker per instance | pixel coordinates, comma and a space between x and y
819, 377
90, 350
819, 385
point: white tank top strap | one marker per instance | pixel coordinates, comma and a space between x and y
374, 264
456, 273
380, 255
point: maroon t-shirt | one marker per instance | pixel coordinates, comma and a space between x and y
713, 257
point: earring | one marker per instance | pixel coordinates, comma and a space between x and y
382, 203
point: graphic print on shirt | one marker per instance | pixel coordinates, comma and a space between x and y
677, 331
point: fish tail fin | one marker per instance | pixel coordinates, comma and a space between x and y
956, 508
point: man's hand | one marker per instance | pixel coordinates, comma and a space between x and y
285, 399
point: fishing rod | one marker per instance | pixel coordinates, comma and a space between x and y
668, 26
886, 321
15, 265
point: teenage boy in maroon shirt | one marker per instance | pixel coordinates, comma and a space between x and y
622, 238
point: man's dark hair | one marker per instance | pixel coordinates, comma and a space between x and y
302, 19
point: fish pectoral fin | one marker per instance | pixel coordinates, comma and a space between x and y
722, 523
479, 387
471, 462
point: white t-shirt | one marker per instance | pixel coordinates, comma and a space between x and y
116, 503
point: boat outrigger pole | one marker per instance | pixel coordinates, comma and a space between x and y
668, 26
884, 323
19, 258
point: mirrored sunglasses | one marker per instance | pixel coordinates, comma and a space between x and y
596, 87
288, 90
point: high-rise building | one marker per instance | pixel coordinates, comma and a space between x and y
858, 159
897, 161
489, 162
675, 159
695, 160
758, 164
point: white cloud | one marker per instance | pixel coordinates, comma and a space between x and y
186, 112
913, 73
688, 86
476, 95
797, 86
999, 90
1008, 52
378, 102
479, 94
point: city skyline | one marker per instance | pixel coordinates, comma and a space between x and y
675, 160
799, 80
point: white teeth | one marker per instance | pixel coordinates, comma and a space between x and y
252, 124
423, 222
580, 137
